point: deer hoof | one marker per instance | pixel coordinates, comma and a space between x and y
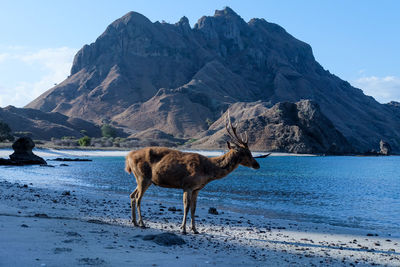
134, 223
195, 232
184, 232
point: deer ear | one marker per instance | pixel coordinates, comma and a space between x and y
229, 145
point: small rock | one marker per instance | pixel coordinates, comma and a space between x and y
24, 226
66, 193
213, 211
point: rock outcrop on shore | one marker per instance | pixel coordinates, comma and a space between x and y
179, 80
385, 148
23, 154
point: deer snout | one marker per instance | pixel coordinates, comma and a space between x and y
255, 165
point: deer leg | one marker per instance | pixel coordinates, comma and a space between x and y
186, 204
133, 200
193, 204
141, 189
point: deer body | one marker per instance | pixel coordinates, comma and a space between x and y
171, 168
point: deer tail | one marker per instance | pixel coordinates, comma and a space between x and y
128, 166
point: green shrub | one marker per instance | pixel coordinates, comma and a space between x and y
209, 122
5, 132
84, 141
108, 131
192, 140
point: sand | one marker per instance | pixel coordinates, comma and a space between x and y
47, 227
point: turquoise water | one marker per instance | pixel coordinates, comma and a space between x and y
359, 192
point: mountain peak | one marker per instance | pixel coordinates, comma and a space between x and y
184, 21
227, 11
131, 16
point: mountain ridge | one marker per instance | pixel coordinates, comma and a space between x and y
46, 125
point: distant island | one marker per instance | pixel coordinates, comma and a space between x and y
172, 85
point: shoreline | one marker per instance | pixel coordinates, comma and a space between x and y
48, 226
50, 152
119, 151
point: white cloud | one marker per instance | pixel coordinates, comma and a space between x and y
383, 89
362, 71
50, 66
3, 57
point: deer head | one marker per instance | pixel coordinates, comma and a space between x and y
240, 145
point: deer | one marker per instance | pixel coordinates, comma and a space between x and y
191, 172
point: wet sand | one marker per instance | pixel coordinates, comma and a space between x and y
46, 227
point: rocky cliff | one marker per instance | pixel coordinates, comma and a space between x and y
285, 127
179, 79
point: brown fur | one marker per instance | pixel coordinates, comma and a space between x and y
188, 171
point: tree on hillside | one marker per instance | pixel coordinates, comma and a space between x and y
108, 131
84, 141
5, 132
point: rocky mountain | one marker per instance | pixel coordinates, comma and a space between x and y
177, 79
45, 125
285, 127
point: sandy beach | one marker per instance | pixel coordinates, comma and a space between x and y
47, 227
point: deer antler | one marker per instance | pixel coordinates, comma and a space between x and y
235, 138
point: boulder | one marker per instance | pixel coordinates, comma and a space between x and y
23, 154
385, 147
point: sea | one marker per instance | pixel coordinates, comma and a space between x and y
347, 191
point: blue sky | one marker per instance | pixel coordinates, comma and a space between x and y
357, 40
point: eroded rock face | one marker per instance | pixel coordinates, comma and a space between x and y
385, 148
23, 154
285, 127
